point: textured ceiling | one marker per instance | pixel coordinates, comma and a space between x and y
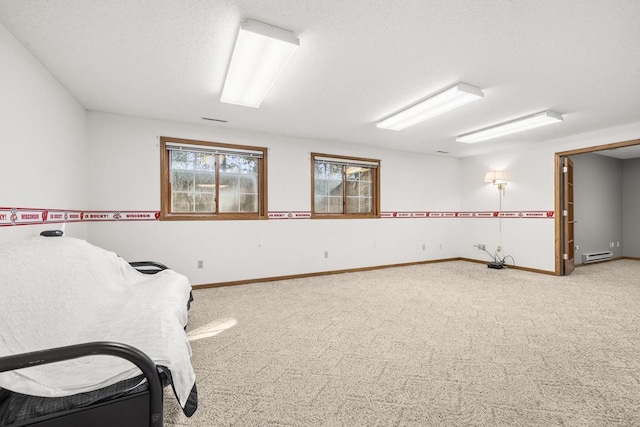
358, 61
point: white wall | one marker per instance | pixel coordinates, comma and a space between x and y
125, 175
631, 207
531, 186
42, 140
597, 183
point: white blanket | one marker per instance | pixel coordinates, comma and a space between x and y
58, 291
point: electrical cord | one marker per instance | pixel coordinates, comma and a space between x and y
492, 256
512, 260
496, 258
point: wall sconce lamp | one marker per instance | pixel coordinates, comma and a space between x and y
497, 178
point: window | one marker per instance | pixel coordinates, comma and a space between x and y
344, 187
207, 180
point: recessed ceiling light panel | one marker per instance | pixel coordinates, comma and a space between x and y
432, 106
518, 125
261, 53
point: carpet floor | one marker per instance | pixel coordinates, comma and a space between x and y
447, 344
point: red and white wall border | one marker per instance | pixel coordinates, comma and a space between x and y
290, 215
430, 214
32, 216
470, 214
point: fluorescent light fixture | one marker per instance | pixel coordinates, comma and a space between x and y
259, 56
518, 125
432, 106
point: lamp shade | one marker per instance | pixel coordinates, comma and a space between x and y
496, 177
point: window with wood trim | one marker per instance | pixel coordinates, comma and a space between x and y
344, 187
208, 180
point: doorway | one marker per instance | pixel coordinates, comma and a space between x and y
564, 212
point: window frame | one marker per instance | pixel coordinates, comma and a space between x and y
375, 186
165, 184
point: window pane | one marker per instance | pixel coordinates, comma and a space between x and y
228, 202
205, 162
205, 182
358, 205
205, 202
181, 202
321, 188
365, 205
181, 181
192, 182
365, 174
353, 205
320, 170
328, 190
365, 189
238, 184
178, 160
184, 160
229, 163
238, 164
250, 166
335, 205
335, 188
353, 188
353, 173
335, 171
228, 183
248, 203
321, 204
248, 183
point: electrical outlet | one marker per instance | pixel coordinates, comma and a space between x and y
483, 247
440, 245
499, 249
200, 263
326, 254
424, 247
618, 244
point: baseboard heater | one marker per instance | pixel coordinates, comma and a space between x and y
596, 256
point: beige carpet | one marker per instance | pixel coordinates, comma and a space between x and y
433, 345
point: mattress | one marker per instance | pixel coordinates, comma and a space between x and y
60, 291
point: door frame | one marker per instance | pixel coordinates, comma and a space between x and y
559, 157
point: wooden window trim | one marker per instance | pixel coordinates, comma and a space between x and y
165, 185
375, 176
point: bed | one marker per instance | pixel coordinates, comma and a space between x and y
89, 339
